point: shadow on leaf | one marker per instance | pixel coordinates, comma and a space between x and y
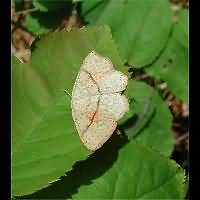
83, 172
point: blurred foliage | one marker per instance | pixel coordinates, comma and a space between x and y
44, 15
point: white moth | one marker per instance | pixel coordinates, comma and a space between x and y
97, 103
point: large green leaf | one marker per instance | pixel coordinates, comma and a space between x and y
172, 65
45, 142
151, 119
141, 28
138, 173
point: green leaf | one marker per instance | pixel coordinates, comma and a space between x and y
45, 142
140, 28
172, 65
147, 124
138, 173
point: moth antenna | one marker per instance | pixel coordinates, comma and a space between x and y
68, 93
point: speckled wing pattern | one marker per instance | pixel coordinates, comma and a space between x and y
97, 103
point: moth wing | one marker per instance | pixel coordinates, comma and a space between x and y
84, 101
100, 131
111, 108
114, 81
116, 104
97, 65
103, 73
83, 111
84, 86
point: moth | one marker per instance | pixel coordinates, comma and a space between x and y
97, 103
